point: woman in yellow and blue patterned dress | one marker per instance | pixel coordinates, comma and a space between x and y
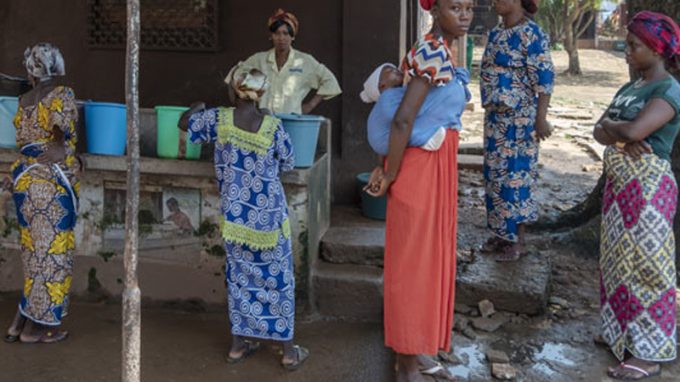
251, 151
45, 194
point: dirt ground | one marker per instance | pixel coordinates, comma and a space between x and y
180, 345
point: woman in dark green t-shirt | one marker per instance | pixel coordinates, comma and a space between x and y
637, 250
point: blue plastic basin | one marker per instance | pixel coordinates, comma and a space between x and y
304, 134
8, 133
105, 127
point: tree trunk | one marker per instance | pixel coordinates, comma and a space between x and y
577, 215
570, 45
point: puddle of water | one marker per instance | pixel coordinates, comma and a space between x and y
474, 358
543, 369
553, 352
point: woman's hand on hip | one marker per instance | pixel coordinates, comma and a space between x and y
543, 129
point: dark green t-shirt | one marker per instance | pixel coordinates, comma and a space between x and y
630, 100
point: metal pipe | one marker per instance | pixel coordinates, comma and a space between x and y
132, 315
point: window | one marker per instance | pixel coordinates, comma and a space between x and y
182, 25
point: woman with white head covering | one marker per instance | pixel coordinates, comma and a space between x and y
45, 188
251, 151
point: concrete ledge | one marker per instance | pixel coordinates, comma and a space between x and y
354, 245
521, 287
349, 291
162, 281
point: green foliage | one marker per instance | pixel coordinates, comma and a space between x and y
552, 15
217, 251
106, 255
105, 223
550, 18
207, 228
93, 283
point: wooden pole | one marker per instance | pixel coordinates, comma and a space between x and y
462, 52
132, 315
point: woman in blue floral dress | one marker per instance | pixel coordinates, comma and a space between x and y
516, 82
251, 151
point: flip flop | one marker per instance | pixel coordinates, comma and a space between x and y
438, 371
645, 374
48, 337
10, 339
251, 348
302, 355
493, 244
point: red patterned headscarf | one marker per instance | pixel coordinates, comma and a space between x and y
658, 31
286, 17
427, 4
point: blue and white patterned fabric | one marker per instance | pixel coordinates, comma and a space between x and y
516, 68
259, 269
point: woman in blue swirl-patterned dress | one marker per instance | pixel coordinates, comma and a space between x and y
251, 151
516, 82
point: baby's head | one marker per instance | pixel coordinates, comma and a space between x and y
384, 77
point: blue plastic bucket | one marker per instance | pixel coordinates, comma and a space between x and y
105, 127
8, 133
371, 207
304, 134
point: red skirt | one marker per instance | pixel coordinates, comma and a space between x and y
420, 250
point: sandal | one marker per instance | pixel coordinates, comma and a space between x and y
302, 355
438, 372
641, 373
48, 337
250, 349
510, 254
10, 339
494, 244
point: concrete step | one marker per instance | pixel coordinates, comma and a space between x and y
471, 149
520, 287
354, 245
356, 291
348, 291
470, 162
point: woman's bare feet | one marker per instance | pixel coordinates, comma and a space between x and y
34, 333
512, 253
494, 244
408, 369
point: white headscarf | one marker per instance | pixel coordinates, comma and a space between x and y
44, 61
250, 85
371, 91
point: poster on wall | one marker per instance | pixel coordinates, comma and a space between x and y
182, 209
